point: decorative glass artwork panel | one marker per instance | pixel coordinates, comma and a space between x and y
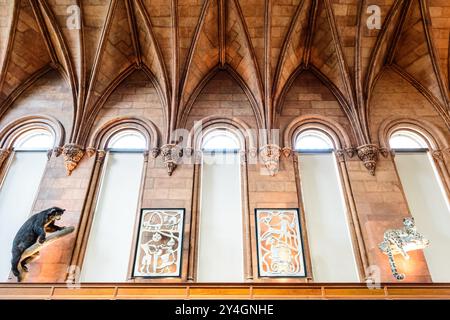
280, 248
159, 245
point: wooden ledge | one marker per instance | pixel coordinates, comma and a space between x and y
113, 291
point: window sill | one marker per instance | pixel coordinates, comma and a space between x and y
113, 291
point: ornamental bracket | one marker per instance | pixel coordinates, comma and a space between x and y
368, 154
171, 154
270, 156
72, 154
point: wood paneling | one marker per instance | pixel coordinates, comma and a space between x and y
223, 291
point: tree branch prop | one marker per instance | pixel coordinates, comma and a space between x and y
32, 252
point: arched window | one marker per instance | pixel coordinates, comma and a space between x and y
35, 140
220, 140
221, 241
19, 188
110, 240
407, 140
329, 238
128, 140
426, 198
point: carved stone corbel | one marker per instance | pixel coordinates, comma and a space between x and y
91, 151
384, 152
189, 156
340, 155
57, 151
72, 154
270, 156
171, 154
101, 155
287, 152
350, 152
252, 155
438, 155
368, 154
155, 152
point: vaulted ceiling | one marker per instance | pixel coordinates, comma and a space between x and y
264, 44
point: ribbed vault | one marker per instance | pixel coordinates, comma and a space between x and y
264, 44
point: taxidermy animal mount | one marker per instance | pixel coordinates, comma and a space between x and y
32, 237
400, 241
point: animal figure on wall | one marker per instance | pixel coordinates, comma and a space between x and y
33, 231
400, 241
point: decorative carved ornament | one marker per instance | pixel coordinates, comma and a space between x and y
57, 151
101, 155
438, 155
340, 155
287, 152
368, 154
72, 154
91, 151
270, 156
171, 154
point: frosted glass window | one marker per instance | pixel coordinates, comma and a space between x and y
34, 140
127, 140
220, 248
19, 188
110, 241
313, 140
220, 140
407, 140
429, 206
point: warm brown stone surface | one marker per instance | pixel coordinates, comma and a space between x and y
149, 59
50, 95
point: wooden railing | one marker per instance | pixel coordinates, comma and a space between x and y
112, 291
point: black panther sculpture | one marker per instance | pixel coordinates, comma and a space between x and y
34, 229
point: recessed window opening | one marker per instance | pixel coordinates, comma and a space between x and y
426, 197
221, 244
19, 188
110, 239
127, 141
329, 236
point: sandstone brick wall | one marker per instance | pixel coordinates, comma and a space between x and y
136, 96
309, 96
50, 95
222, 96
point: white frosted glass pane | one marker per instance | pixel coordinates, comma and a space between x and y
220, 141
35, 140
406, 140
312, 142
17, 195
110, 241
329, 239
220, 250
429, 207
